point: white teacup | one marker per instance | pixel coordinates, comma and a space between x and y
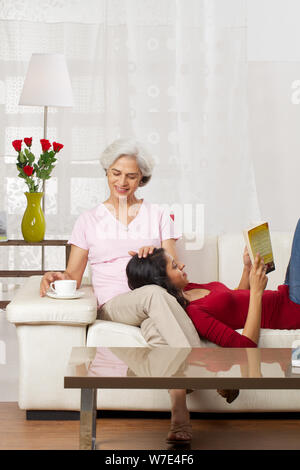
63, 287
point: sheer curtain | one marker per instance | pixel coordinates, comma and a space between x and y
170, 73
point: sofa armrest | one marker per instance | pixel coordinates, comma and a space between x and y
113, 334
27, 307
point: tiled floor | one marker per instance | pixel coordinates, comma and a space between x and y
9, 362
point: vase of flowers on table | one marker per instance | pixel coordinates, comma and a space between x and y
34, 173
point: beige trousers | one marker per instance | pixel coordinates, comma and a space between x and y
162, 320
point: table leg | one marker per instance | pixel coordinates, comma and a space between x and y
88, 410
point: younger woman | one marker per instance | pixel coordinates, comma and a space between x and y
217, 311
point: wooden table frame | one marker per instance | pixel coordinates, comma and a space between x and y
27, 273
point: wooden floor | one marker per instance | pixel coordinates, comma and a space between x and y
17, 433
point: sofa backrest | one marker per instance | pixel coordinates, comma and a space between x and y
201, 263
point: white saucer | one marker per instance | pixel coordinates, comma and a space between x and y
77, 295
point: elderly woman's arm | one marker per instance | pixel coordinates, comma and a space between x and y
168, 245
75, 269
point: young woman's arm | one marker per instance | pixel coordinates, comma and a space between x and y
258, 281
244, 282
216, 331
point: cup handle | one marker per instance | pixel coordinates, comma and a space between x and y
52, 288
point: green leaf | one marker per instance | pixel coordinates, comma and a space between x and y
44, 174
31, 158
22, 158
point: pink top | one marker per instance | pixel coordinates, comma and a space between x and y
108, 242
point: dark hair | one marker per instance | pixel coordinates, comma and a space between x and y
152, 270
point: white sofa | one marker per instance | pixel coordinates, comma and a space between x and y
47, 329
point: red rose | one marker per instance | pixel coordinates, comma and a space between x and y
45, 144
57, 147
17, 145
28, 141
28, 170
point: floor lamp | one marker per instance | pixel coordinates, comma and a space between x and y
47, 83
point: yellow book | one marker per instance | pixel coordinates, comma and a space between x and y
258, 240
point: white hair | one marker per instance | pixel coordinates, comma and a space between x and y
132, 148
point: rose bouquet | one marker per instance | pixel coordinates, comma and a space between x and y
35, 172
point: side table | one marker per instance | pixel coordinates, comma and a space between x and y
27, 273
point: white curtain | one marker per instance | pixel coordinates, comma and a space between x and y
171, 73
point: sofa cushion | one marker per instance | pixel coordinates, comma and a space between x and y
277, 338
28, 307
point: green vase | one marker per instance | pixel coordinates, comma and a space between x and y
33, 222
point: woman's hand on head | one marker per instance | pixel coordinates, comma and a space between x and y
49, 277
258, 278
143, 252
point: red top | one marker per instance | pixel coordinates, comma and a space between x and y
217, 315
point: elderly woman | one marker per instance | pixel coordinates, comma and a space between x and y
107, 236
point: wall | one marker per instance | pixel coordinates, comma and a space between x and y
273, 53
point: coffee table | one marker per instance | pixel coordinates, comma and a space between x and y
92, 368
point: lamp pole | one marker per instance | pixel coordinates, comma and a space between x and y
44, 185
45, 137
47, 83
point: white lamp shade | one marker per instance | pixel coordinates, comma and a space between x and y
47, 82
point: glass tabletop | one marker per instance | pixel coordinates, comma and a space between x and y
167, 366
